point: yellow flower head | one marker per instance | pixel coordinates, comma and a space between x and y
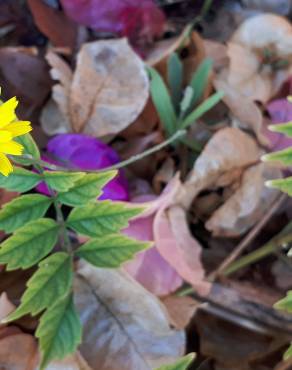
10, 128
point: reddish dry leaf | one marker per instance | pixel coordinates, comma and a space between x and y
24, 75
125, 327
109, 90
247, 205
175, 243
60, 30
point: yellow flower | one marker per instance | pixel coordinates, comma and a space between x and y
10, 128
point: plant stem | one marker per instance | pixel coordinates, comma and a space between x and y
39, 162
65, 240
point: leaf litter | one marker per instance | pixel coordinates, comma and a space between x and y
89, 78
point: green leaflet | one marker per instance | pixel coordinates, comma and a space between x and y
285, 185
23, 209
103, 217
51, 282
175, 78
202, 109
20, 180
200, 80
110, 251
285, 303
30, 149
162, 102
61, 181
88, 188
182, 364
283, 128
59, 331
29, 244
283, 156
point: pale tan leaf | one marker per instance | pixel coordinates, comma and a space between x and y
72, 362
247, 205
125, 327
6, 307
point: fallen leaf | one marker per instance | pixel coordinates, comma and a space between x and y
180, 310
109, 89
25, 75
282, 7
72, 362
125, 326
244, 109
247, 205
177, 246
229, 149
59, 29
6, 307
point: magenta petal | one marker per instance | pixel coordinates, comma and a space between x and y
149, 267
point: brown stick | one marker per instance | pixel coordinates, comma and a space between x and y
248, 238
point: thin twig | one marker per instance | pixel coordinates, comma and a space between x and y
248, 239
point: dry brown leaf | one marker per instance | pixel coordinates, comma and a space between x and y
109, 89
72, 362
218, 53
125, 327
247, 205
6, 307
243, 109
229, 149
180, 310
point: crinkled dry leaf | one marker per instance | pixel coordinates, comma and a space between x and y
243, 109
109, 89
228, 149
177, 246
247, 205
125, 327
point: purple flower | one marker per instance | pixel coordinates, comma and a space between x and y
82, 152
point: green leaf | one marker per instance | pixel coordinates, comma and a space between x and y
86, 189
103, 217
59, 331
202, 109
283, 128
20, 180
23, 209
29, 244
182, 364
285, 303
283, 156
175, 78
186, 100
200, 79
162, 102
110, 251
51, 282
30, 149
61, 181
285, 185
288, 353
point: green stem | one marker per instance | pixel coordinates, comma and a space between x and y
285, 237
38, 162
65, 240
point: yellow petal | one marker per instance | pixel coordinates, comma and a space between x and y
7, 112
18, 128
5, 136
5, 165
11, 147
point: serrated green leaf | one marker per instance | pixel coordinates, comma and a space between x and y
162, 102
59, 331
29, 244
200, 79
103, 217
182, 364
283, 156
285, 303
51, 282
175, 78
285, 185
22, 210
110, 251
86, 189
283, 128
20, 180
202, 109
30, 149
61, 181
